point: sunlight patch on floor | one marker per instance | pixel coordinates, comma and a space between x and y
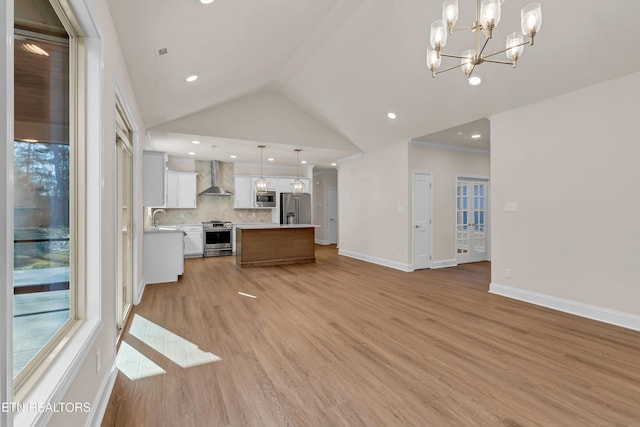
134, 364
177, 349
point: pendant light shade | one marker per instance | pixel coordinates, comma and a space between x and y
262, 185
298, 186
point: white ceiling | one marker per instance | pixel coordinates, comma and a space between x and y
348, 63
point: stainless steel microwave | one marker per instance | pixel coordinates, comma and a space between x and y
266, 199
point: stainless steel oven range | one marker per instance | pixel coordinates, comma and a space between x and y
217, 238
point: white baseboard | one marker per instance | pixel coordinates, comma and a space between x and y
444, 263
138, 297
322, 242
99, 406
375, 260
600, 314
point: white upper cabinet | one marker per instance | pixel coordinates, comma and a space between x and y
242, 192
154, 179
181, 190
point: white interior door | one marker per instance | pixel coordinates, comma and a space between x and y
421, 221
472, 220
332, 209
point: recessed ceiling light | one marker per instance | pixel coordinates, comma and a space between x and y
475, 80
334, 164
391, 115
304, 162
191, 153
195, 142
271, 159
206, 1
192, 78
476, 135
233, 156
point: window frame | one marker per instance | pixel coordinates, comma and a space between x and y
30, 372
6, 217
75, 349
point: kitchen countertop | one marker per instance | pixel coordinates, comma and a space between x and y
273, 226
163, 229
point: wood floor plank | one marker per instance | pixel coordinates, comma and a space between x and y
345, 343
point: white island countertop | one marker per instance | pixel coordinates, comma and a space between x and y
272, 226
163, 229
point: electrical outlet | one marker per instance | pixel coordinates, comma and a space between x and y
97, 361
507, 273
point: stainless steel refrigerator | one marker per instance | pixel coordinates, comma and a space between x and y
295, 209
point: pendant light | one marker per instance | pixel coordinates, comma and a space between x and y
298, 186
262, 185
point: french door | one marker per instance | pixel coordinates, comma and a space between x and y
124, 167
472, 220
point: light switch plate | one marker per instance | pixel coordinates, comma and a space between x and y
511, 207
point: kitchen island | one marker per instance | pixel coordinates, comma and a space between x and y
259, 245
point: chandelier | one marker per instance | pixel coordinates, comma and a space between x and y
298, 186
487, 17
262, 185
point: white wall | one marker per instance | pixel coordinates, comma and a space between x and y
265, 115
444, 166
373, 206
571, 163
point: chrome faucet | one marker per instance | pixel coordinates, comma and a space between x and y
153, 216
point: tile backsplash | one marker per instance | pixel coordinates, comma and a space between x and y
214, 207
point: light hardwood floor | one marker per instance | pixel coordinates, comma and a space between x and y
347, 343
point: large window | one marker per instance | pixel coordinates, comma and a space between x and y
44, 232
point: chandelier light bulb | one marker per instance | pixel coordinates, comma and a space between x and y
531, 19
467, 61
433, 60
450, 14
438, 34
514, 46
490, 15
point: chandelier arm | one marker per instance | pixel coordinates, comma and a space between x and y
483, 47
493, 61
448, 69
472, 69
504, 50
446, 55
456, 29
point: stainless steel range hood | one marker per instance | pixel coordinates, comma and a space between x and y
215, 189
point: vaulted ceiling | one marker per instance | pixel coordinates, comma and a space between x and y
341, 66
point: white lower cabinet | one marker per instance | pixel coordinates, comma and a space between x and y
193, 242
163, 256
